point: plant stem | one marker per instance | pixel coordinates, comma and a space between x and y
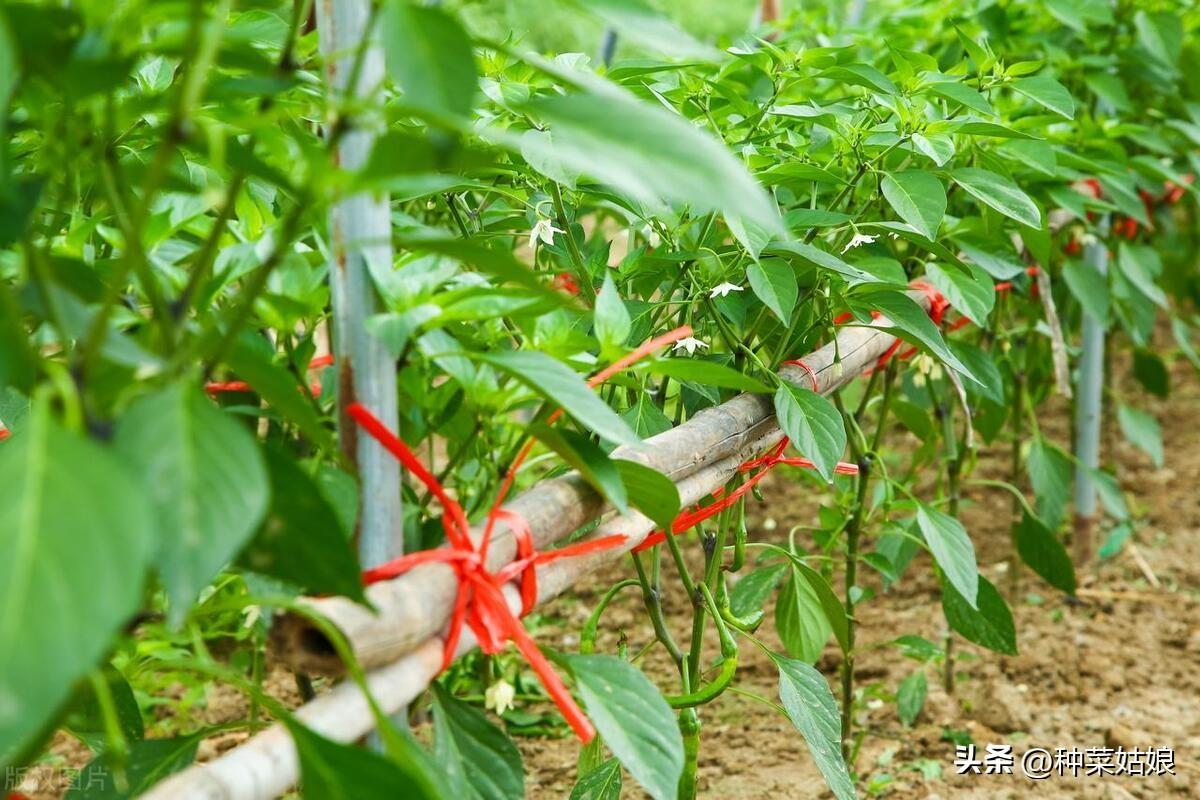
853, 536
213, 347
689, 726
953, 470
581, 270
1018, 423
853, 530
652, 599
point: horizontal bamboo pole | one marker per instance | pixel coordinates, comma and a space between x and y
417, 605
266, 765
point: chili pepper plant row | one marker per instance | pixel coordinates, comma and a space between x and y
177, 457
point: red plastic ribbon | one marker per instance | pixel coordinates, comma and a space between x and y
220, 387
764, 464
480, 601
723, 500
796, 362
1006, 286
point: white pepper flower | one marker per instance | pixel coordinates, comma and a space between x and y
690, 344
723, 289
859, 239
543, 230
499, 696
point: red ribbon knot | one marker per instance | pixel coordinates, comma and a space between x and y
480, 602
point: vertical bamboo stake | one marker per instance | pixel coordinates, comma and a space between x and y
1088, 412
360, 233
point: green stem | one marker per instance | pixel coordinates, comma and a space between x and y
212, 347
652, 600
954, 494
208, 251
587, 636
117, 745
581, 270
1018, 423
853, 531
729, 662
689, 726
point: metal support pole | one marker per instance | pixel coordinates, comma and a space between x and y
360, 232
1089, 400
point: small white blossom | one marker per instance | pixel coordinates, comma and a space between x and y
723, 289
499, 696
859, 239
894, 235
252, 615
652, 237
769, 524
689, 344
927, 368
543, 230
1088, 239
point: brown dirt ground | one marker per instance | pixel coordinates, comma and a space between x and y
1119, 668
1122, 667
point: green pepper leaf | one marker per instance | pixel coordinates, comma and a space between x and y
953, 550
999, 193
634, 719
813, 424
918, 197
205, 475
989, 625
810, 705
488, 764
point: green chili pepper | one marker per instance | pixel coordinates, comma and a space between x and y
587, 636
748, 623
729, 655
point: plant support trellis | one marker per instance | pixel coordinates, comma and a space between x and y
401, 646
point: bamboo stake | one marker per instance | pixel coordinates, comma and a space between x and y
417, 605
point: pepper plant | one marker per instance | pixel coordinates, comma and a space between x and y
170, 475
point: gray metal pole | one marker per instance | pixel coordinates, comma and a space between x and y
1089, 401
360, 233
